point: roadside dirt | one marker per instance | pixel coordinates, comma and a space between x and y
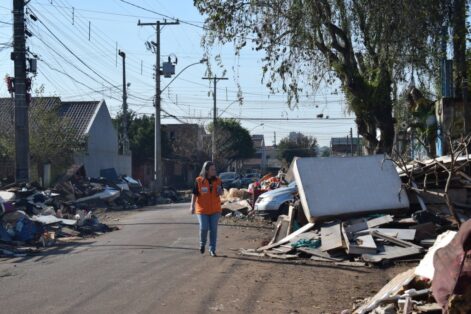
264, 285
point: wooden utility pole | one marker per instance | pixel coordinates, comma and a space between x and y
215, 79
157, 124
21, 101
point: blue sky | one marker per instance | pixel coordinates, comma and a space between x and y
114, 22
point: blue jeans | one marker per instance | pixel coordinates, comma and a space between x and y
209, 223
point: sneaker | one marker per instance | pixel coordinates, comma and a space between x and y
202, 249
212, 253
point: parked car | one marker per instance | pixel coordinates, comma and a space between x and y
276, 202
230, 180
249, 178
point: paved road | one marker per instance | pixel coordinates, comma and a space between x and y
151, 265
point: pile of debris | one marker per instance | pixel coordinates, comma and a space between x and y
441, 282
357, 212
31, 217
108, 191
240, 203
236, 203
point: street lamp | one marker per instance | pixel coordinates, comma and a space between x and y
190, 65
261, 124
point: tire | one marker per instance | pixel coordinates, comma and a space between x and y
284, 209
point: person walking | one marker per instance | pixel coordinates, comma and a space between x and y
206, 204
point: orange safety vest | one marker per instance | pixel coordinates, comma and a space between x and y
208, 201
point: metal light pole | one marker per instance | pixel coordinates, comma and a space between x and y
261, 124
125, 107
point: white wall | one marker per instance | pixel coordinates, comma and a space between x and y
102, 147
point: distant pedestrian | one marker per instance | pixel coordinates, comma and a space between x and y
206, 204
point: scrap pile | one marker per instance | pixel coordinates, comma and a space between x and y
240, 202
236, 203
441, 282
355, 211
31, 216
440, 185
108, 191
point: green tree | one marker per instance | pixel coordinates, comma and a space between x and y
141, 137
51, 139
233, 142
300, 146
366, 45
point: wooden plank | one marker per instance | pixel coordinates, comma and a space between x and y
318, 253
389, 252
354, 226
402, 234
283, 249
331, 237
375, 222
399, 242
366, 241
281, 256
291, 218
390, 289
353, 248
275, 235
251, 253
301, 230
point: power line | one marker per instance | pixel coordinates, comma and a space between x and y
74, 54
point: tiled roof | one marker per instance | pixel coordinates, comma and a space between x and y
78, 113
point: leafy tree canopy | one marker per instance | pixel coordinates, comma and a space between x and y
367, 45
233, 141
298, 146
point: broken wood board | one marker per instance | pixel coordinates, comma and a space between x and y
283, 249
281, 256
288, 238
350, 264
353, 226
251, 253
291, 218
355, 248
390, 252
402, 234
281, 230
365, 241
379, 221
392, 288
350, 186
320, 254
331, 237
398, 242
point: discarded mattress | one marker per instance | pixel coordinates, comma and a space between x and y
346, 186
51, 219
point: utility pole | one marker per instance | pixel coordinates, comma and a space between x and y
125, 137
351, 141
215, 79
21, 101
157, 123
